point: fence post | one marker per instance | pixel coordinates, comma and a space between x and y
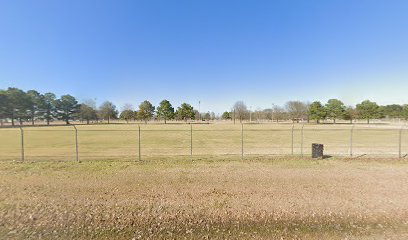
191, 141
242, 141
140, 155
293, 126
400, 143
351, 141
301, 140
76, 144
22, 144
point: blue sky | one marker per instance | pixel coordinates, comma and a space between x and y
261, 52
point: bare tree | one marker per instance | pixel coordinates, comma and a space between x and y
240, 110
213, 117
260, 114
128, 113
127, 106
297, 110
278, 113
87, 111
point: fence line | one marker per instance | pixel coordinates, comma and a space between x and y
400, 143
253, 141
293, 127
351, 141
22, 144
191, 141
139, 141
242, 141
301, 141
76, 143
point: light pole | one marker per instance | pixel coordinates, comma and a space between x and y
250, 114
199, 110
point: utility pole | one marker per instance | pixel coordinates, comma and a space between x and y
199, 110
250, 114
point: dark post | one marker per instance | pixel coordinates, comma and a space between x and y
317, 150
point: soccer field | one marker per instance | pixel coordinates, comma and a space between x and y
215, 198
121, 142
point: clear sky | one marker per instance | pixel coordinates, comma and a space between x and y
261, 52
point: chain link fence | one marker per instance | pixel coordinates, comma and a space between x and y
124, 142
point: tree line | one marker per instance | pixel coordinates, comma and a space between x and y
333, 110
31, 106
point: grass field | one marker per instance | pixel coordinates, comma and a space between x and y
215, 197
121, 141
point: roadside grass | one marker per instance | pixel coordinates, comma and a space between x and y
260, 197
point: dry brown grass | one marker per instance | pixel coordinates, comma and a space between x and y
120, 141
209, 198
